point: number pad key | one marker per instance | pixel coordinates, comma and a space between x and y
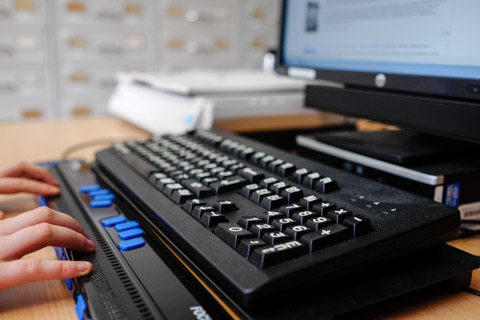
246, 246
283, 223
297, 231
274, 237
326, 237
232, 233
318, 223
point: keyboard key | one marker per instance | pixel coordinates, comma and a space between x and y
268, 182
109, 196
325, 237
161, 183
224, 174
199, 210
232, 233
286, 169
190, 204
310, 179
259, 194
265, 257
181, 195
317, 223
236, 167
274, 165
247, 153
259, 229
224, 206
310, 201
246, 246
283, 223
275, 237
249, 189
100, 192
272, 202
229, 184
303, 216
126, 225
251, 175
339, 215
292, 194
130, 233
326, 185
110, 222
299, 174
247, 222
290, 209
323, 207
170, 188
297, 231
197, 188
257, 156
211, 219
101, 203
279, 187
131, 244
358, 224
265, 161
89, 188
217, 170
269, 216
209, 181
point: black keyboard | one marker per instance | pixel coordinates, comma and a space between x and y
252, 222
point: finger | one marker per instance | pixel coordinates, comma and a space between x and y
26, 170
39, 215
30, 239
25, 271
16, 185
2, 215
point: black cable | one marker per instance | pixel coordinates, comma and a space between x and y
475, 292
90, 143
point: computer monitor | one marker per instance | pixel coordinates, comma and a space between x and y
413, 63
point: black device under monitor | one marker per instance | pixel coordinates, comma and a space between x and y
414, 64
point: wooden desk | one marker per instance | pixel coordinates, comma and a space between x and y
42, 141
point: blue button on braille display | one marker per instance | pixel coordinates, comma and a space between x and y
68, 282
100, 203
109, 222
126, 225
100, 192
131, 244
130, 233
105, 197
80, 307
89, 188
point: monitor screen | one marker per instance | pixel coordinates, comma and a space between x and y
429, 48
432, 38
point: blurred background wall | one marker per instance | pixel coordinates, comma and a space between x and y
58, 58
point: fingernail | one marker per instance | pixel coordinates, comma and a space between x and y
91, 244
53, 189
83, 267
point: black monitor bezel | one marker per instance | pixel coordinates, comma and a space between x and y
450, 88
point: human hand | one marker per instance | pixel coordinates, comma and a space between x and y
32, 231
23, 177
